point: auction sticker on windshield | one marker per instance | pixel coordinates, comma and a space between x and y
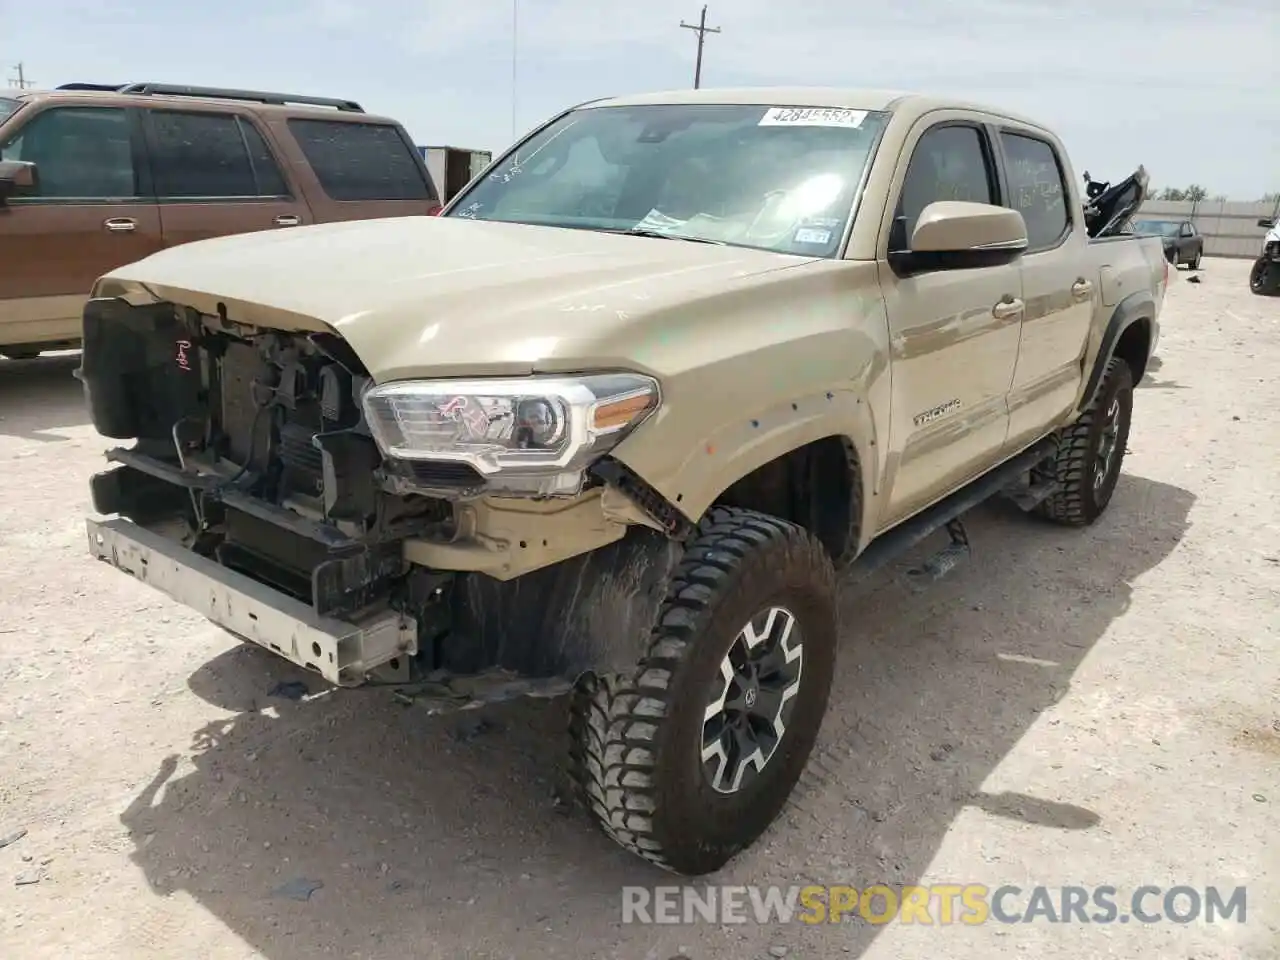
812, 117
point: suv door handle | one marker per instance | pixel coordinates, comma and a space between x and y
121, 224
1081, 289
1007, 308
287, 220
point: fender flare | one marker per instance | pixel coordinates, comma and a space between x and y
1137, 307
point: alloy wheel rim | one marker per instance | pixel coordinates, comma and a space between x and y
752, 699
1107, 443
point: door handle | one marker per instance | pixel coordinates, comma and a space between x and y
121, 224
287, 220
1081, 289
1007, 308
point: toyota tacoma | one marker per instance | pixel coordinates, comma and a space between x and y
616, 423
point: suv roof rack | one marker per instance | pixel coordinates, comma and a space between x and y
217, 93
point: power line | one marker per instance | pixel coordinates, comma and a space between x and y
702, 31
21, 81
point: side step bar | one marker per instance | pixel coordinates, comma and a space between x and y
946, 513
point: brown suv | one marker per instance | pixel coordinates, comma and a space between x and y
93, 177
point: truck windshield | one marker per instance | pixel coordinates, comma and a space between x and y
7, 107
773, 178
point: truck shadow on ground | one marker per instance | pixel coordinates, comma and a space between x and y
40, 397
1152, 382
442, 837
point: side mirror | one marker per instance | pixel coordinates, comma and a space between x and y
17, 177
958, 235
1266, 223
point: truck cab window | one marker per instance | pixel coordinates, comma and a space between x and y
948, 163
82, 153
1036, 189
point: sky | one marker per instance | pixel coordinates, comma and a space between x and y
1190, 88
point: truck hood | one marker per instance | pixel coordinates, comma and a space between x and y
444, 296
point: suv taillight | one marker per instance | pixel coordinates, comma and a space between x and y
434, 210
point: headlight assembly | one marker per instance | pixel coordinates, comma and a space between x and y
530, 436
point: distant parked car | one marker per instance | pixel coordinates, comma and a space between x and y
94, 176
1183, 243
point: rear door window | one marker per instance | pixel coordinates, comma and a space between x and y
80, 153
1036, 189
200, 156
362, 161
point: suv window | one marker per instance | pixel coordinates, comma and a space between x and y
202, 155
1036, 189
949, 163
83, 153
362, 161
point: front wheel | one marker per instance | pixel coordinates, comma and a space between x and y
1091, 451
1264, 277
689, 759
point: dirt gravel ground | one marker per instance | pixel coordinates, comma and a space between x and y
1092, 708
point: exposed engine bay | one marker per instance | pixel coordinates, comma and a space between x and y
256, 441
253, 452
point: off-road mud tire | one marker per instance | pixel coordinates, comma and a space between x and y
1079, 503
1264, 278
636, 739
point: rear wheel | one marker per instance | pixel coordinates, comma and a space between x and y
687, 761
1264, 277
1091, 451
1195, 263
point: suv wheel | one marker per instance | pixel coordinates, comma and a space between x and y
1195, 264
1091, 450
688, 760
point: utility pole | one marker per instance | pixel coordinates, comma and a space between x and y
21, 81
515, 35
702, 29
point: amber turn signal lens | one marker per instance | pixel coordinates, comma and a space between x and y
619, 413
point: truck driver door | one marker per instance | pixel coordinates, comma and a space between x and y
953, 332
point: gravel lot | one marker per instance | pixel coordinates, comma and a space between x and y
1098, 707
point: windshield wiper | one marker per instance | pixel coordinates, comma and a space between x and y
663, 235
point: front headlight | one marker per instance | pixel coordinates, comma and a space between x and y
527, 435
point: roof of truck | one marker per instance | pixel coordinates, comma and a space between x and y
838, 97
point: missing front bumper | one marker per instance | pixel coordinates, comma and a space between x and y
342, 652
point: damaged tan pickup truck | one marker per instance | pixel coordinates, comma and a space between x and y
615, 422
